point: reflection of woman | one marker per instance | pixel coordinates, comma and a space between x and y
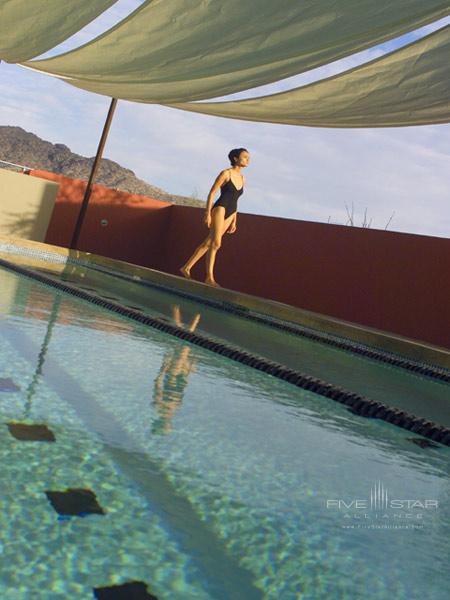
172, 379
222, 217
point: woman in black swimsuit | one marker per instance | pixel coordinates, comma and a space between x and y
222, 217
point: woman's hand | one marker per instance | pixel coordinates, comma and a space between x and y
232, 228
207, 219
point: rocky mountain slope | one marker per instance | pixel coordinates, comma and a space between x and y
24, 148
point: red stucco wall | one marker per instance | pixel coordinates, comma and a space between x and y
391, 281
135, 229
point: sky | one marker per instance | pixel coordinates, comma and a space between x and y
399, 176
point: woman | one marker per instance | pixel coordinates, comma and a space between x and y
222, 217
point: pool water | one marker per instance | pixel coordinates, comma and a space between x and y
216, 480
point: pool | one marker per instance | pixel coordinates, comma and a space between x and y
205, 477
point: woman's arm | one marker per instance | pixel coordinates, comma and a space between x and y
221, 178
233, 224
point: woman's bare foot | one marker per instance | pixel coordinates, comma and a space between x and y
185, 272
210, 281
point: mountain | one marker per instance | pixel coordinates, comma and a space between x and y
24, 148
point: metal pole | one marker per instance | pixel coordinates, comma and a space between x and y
87, 194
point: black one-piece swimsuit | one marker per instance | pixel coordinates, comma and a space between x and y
228, 198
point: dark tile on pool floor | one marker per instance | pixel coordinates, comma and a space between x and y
31, 433
133, 590
8, 385
75, 501
423, 443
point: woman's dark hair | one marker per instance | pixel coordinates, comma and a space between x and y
234, 154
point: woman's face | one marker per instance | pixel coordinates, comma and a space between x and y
244, 159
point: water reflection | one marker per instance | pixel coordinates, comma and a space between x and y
31, 390
173, 377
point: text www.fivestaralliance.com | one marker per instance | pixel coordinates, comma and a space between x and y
362, 526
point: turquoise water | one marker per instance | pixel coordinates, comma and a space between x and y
217, 481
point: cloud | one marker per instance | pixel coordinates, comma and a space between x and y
383, 172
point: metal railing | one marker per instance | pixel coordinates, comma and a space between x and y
23, 168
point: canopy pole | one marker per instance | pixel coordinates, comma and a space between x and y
87, 193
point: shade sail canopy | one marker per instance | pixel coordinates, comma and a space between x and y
177, 51
29, 28
410, 86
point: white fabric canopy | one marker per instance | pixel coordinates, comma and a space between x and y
29, 28
177, 51
410, 86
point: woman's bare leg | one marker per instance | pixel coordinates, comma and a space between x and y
196, 256
218, 227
